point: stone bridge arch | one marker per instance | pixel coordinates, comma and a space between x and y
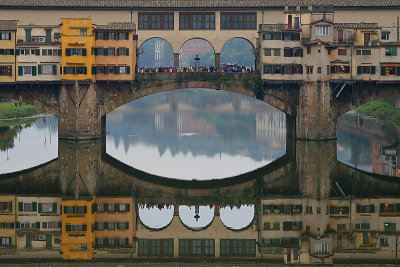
116, 95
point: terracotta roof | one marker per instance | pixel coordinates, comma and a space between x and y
357, 26
272, 27
8, 25
194, 3
127, 26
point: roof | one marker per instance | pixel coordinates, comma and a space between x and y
126, 26
272, 27
194, 3
357, 25
8, 25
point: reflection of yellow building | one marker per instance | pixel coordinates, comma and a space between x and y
8, 30
77, 230
77, 41
7, 221
115, 224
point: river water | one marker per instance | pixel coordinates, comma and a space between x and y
199, 173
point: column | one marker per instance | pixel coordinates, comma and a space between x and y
176, 60
217, 60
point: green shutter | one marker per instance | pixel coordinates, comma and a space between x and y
127, 36
39, 72
68, 51
54, 204
37, 52
94, 206
28, 36
358, 208
127, 225
267, 226
383, 73
397, 207
398, 71
359, 69
17, 52
382, 205
85, 209
84, 70
48, 36
95, 225
116, 206
372, 207
20, 206
117, 70
40, 204
128, 207
117, 51
84, 53
60, 52
34, 204
106, 51
105, 225
126, 241
54, 69
34, 70
17, 225
68, 228
105, 72
373, 70
357, 226
37, 225
20, 73
59, 224
394, 51
127, 51
358, 52
106, 36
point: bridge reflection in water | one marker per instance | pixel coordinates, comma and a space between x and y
306, 205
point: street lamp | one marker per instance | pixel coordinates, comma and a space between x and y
197, 59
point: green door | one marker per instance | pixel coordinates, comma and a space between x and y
28, 240
49, 241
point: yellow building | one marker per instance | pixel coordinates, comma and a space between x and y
115, 51
77, 240
77, 40
8, 216
8, 31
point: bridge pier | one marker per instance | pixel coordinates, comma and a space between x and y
79, 115
316, 115
217, 60
176, 60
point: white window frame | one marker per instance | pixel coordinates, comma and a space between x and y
322, 30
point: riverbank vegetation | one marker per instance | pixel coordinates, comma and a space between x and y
17, 109
381, 109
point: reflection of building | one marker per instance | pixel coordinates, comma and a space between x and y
180, 236
8, 214
39, 222
271, 127
78, 236
115, 225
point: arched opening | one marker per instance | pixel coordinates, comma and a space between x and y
239, 52
196, 217
237, 217
200, 48
156, 217
368, 139
26, 140
155, 52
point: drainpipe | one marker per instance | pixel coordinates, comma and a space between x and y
398, 37
131, 14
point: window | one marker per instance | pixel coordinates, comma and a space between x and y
319, 70
389, 227
156, 21
277, 52
27, 71
123, 225
310, 69
74, 209
322, 30
272, 69
5, 71
111, 208
340, 69
99, 35
291, 36
47, 69
267, 52
122, 51
111, 51
76, 228
288, 226
196, 247
238, 21
342, 52
48, 207
123, 35
338, 210
389, 70
383, 241
272, 36
196, 21
365, 70
124, 207
100, 226
385, 36
391, 51
341, 227
75, 52
6, 52
5, 241
5, 36
83, 32
81, 70
156, 247
308, 49
237, 247
321, 249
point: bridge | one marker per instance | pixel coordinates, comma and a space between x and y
312, 108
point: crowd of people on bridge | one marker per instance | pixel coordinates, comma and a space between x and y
226, 68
